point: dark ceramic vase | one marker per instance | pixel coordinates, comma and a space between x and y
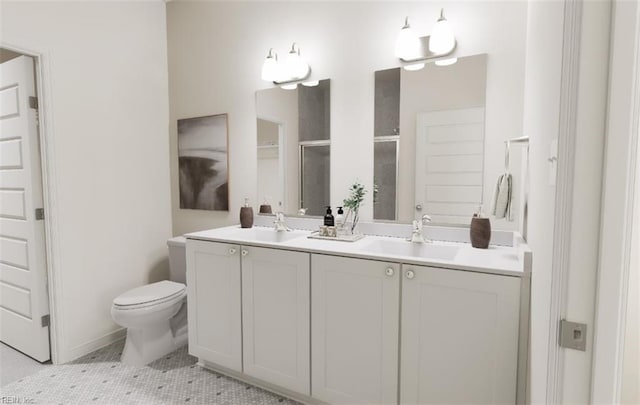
480, 232
246, 217
265, 209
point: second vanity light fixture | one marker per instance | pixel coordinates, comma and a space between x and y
289, 72
414, 50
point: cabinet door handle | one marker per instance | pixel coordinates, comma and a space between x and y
232, 251
410, 274
389, 271
245, 252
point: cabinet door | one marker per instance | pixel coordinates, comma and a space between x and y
354, 330
213, 297
275, 315
459, 337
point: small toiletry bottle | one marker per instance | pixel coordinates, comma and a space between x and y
480, 230
340, 218
246, 215
328, 218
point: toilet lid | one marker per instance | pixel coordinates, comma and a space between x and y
149, 293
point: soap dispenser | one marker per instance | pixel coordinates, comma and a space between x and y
265, 208
480, 230
340, 218
328, 218
246, 215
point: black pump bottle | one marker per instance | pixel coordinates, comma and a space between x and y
328, 218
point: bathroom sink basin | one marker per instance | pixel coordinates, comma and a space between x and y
266, 234
405, 248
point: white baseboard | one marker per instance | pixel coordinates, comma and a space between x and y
76, 352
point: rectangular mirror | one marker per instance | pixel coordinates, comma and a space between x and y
294, 139
432, 120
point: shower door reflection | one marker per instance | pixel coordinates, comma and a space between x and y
314, 176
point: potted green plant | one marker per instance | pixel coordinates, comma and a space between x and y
352, 204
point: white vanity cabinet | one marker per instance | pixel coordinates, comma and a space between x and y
459, 336
275, 317
354, 330
326, 323
248, 310
214, 303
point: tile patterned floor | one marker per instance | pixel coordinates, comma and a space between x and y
100, 378
15, 365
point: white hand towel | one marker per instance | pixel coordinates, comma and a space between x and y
501, 204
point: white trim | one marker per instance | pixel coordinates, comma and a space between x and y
621, 158
90, 347
47, 157
572, 34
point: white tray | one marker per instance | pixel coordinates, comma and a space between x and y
341, 238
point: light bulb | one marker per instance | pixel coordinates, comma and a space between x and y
296, 67
270, 67
446, 62
414, 66
311, 83
290, 86
407, 43
442, 40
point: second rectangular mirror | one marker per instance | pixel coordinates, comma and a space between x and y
432, 120
294, 148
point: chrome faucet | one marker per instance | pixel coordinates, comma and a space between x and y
281, 225
417, 235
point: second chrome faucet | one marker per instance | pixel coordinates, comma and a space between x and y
417, 235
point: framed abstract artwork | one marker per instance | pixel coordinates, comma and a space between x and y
203, 161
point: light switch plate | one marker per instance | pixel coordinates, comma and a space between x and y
573, 335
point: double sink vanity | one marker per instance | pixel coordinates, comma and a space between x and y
380, 320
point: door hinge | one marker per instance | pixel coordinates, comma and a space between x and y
33, 102
39, 213
573, 335
45, 320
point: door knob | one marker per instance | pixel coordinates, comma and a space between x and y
389, 271
410, 274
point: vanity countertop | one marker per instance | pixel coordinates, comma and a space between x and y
505, 260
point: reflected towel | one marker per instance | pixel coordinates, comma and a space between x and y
501, 205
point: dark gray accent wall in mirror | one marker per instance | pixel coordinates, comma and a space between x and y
293, 138
429, 141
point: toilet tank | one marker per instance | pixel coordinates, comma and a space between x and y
177, 259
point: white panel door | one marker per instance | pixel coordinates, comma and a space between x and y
459, 337
449, 164
214, 307
275, 317
354, 330
23, 278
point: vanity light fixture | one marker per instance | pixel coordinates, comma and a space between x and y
288, 72
414, 50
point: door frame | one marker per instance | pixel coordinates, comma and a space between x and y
621, 158
47, 159
616, 211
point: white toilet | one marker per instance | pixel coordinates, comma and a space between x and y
155, 315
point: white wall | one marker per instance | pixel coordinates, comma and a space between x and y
541, 114
216, 50
106, 106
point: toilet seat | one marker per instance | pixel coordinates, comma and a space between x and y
162, 292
